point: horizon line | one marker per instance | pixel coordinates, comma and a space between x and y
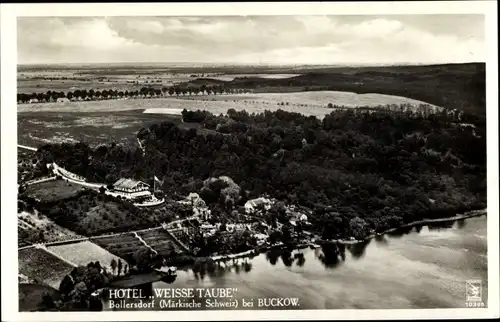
254, 64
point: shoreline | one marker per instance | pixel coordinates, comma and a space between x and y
469, 214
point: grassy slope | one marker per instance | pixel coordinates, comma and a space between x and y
42, 266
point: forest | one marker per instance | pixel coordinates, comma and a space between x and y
356, 172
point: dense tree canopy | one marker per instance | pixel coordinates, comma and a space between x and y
357, 171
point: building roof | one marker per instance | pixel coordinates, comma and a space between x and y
126, 183
255, 202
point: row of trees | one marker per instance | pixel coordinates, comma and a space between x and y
92, 94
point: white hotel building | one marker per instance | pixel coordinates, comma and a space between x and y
131, 189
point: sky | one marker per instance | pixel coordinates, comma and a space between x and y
406, 39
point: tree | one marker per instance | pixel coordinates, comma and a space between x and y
119, 266
358, 228
66, 285
113, 265
143, 258
47, 303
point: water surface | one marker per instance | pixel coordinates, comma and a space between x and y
425, 267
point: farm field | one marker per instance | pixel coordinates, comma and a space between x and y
84, 252
53, 190
160, 241
42, 266
119, 79
123, 246
31, 225
181, 235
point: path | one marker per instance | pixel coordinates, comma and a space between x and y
66, 175
27, 147
144, 242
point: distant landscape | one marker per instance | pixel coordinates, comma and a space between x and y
442, 85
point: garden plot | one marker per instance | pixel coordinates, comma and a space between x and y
160, 241
123, 246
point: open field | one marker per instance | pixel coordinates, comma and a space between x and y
30, 296
159, 240
102, 122
43, 267
230, 77
53, 190
31, 225
36, 129
85, 252
303, 102
123, 246
254, 102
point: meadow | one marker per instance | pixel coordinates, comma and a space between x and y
95, 128
103, 122
51, 191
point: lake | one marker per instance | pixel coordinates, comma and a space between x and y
425, 267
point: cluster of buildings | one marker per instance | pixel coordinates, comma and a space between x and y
254, 208
45, 100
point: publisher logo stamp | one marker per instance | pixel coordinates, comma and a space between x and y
473, 293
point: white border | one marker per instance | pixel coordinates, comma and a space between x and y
9, 12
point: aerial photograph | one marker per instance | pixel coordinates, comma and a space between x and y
251, 162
